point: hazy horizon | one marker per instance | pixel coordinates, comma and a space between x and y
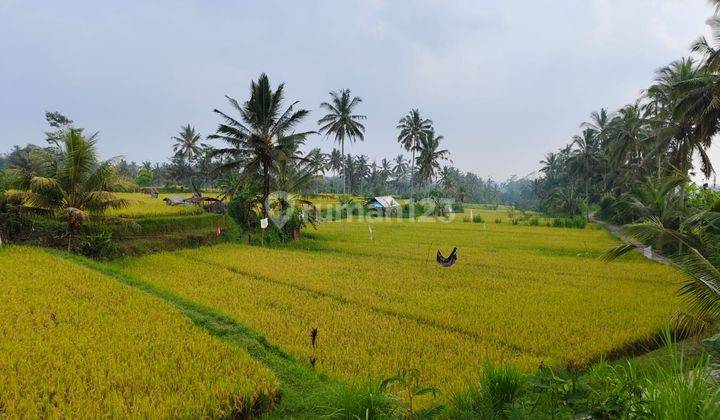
504, 81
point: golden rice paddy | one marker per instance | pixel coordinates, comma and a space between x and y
143, 205
75, 342
524, 294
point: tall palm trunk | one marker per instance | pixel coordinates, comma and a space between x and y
412, 176
344, 177
266, 189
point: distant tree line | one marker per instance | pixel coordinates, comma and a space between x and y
243, 149
629, 160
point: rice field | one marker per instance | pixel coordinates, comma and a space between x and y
76, 343
523, 294
143, 205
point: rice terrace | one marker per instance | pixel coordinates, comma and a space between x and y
317, 258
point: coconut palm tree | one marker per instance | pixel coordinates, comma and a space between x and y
675, 132
626, 144
701, 101
599, 122
550, 165
340, 121
584, 158
72, 184
385, 169
350, 173
412, 130
362, 170
400, 167
449, 178
187, 144
336, 161
430, 155
262, 136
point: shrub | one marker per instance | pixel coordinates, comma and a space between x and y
413, 210
99, 246
360, 401
579, 222
534, 221
243, 211
576, 222
498, 221
476, 219
495, 390
144, 177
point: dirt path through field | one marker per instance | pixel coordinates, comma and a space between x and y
617, 232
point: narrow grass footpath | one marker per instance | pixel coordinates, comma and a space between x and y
303, 389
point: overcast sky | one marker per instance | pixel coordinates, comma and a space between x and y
505, 81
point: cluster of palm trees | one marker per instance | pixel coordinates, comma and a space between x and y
262, 141
637, 162
417, 135
664, 134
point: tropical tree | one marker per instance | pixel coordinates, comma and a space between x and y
400, 167
599, 122
385, 169
449, 177
187, 144
341, 121
626, 143
585, 157
413, 128
71, 183
262, 137
565, 200
362, 170
680, 136
336, 161
549, 163
430, 155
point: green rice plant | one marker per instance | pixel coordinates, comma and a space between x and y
679, 387
476, 218
495, 390
411, 389
366, 400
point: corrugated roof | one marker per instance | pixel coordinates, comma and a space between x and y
386, 201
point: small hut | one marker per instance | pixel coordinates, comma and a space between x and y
385, 204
